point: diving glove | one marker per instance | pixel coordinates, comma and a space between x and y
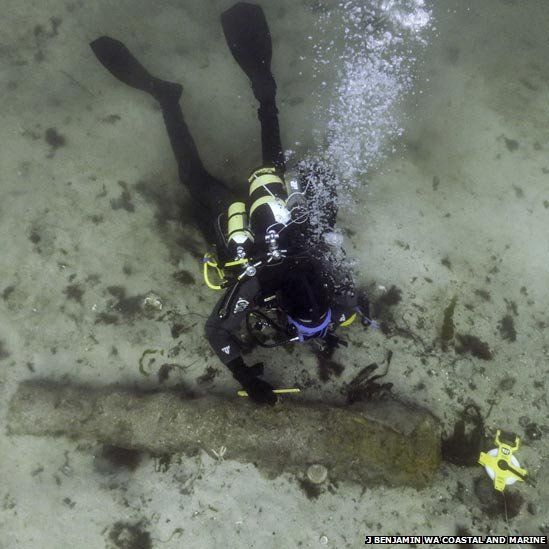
258, 390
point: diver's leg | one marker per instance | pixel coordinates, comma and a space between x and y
271, 145
249, 39
120, 62
210, 194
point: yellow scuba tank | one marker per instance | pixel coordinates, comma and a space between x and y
267, 201
239, 237
239, 241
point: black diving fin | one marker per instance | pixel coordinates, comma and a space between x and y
249, 39
121, 63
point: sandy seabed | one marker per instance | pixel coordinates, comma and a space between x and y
93, 219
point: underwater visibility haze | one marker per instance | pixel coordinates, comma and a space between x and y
273, 274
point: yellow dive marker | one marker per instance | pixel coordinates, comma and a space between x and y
277, 391
501, 465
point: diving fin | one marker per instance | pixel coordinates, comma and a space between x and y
120, 62
249, 39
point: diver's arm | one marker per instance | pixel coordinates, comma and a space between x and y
227, 318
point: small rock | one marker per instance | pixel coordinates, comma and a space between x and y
153, 301
317, 473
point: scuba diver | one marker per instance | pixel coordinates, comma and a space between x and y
278, 273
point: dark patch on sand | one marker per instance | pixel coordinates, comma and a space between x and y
506, 327
124, 201
312, 491
130, 307
446, 262
115, 458
96, 219
507, 383
8, 290
164, 372
93, 279
464, 445
484, 294
54, 139
533, 432
34, 236
162, 463
125, 535
55, 23
528, 85
492, 502
511, 307
74, 292
3, 352
471, 344
111, 119
162, 197
511, 144
107, 319
208, 376
328, 367
184, 277
178, 329
436, 182
447, 331
519, 193
171, 212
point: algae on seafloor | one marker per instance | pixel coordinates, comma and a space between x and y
448, 330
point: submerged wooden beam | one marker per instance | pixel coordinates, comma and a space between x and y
383, 442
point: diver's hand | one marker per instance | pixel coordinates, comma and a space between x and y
260, 391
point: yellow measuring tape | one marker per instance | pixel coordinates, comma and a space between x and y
501, 465
277, 391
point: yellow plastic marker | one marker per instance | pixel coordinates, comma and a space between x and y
277, 391
501, 465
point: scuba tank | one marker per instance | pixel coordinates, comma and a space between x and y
267, 200
273, 206
239, 238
